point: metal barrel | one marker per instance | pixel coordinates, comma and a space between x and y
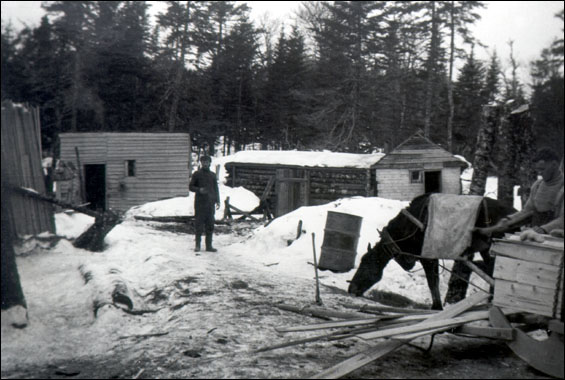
339, 247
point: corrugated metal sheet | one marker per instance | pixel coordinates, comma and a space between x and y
161, 164
21, 166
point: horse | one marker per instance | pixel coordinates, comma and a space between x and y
402, 235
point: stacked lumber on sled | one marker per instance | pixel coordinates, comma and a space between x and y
396, 326
529, 275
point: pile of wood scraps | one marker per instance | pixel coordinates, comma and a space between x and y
387, 329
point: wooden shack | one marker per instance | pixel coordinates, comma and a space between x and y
121, 170
291, 179
21, 167
415, 167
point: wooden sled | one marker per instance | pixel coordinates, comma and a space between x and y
544, 355
528, 277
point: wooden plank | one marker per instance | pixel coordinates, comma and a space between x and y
268, 188
526, 272
330, 325
381, 349
534, 252
389, 309
321, 312
479, 272
426, 325
487, 332
524, 297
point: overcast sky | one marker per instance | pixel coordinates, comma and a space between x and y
530, 24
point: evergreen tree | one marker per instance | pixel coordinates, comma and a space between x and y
492, 81
468, 99
185, 25
285, 121
547, 100
347, 43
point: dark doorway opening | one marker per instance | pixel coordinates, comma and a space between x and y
432, 182
95, 186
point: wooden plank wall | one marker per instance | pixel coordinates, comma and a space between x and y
21, 166
395, 183
162, 161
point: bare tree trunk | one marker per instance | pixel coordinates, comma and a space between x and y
431, 66
178, 76
517, 146
74, 93
507, 158
525, 147
485, 143
450, 82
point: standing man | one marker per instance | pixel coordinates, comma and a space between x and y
205, 185
544, 208
545, 203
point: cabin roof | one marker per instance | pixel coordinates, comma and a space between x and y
417, 149
303, 158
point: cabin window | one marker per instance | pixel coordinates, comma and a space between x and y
416, 176
130, 168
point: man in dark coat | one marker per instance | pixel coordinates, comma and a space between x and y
205, 185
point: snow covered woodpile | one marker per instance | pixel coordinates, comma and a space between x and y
122, 170
288, 180
415, 167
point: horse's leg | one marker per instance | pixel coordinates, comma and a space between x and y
459, 280
489, 262
431, 268
489, 265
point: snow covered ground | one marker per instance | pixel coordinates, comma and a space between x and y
62, 283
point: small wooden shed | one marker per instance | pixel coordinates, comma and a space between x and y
288, 180
415, 167
121, 170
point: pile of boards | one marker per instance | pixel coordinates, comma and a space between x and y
398, 326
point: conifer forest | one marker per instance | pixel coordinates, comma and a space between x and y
348, 76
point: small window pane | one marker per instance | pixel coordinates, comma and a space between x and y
130, 165
415, 176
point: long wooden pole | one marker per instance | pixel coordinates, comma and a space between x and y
318, 299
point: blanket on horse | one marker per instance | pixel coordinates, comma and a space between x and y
451, 219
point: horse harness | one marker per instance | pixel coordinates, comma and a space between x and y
391, 247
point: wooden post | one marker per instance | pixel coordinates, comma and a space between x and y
79, 168
227, 211
189, 157
318, 299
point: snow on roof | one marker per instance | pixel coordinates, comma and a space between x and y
302, 158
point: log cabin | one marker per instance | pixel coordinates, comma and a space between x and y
287, 180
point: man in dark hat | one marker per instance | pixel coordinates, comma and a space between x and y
205, 185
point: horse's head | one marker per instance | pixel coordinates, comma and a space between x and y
370, 270
399, 234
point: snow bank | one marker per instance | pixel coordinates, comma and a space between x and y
240, 197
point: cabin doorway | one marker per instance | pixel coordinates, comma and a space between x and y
432, 182
95, 186
293, 190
